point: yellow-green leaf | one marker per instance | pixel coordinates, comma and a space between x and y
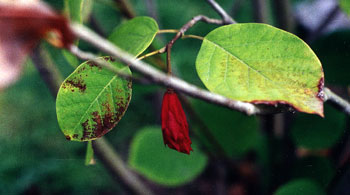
259, 63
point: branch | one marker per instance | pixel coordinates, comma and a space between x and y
260, 11
161, 78
337, 101
324, 24
116, 165
125, 8
225, 17
285, 18
47, 70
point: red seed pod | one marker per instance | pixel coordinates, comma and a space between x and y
174, 123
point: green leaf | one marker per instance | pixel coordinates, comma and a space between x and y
313, 132
134, 36
92, 100
259, 63
165, 166
301, 187
78, 10
345, 5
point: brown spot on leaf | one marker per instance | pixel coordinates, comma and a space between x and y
86, 130
75, 136
93, 64
77, 84
109, 58
68, 137
320, 93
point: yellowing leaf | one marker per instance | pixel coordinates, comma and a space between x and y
261, 64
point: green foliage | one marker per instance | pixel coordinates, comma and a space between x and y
345, 5
319, 169
333, 51
313, 132
78, 10
300, 186
134, 36
261, 64
165, 166
34, 154
236, 133
92, 100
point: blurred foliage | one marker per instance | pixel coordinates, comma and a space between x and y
301, 186
314, 132
37, 159
160, 164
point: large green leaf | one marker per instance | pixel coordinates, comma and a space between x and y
134, 36
92, 100
345, 5
300, 186
261, 64
165, 166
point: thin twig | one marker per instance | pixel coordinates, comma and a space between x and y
260, 11
125, 8
159, 51
116, 165
161, 31
337, 101
47, 70
225, 17
161, 78
284, 16
182, 31
323, 24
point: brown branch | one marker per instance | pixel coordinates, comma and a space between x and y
182, 31
125, 8
47, 70
225, 17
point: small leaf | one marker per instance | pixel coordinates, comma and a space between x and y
165, 166
134, 36
92, 100
300, 186
258, 63
345, 5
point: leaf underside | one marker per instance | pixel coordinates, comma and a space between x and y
259, 63
92, 100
